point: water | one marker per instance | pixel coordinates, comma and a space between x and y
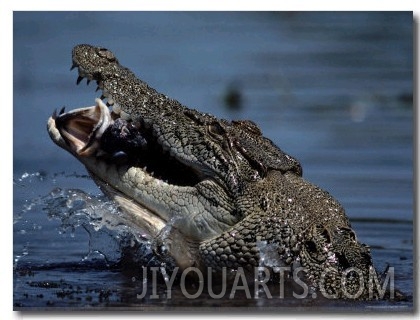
332, 89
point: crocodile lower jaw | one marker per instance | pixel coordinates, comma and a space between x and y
127, 185
79, 132
140, 215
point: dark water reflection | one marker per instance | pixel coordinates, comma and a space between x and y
332, 89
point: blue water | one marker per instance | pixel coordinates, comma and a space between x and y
334, 90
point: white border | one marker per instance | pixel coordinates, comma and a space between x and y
6, 128
181, 5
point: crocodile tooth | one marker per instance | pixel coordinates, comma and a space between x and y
124, 115
79, 78
74, 65
97, 89
110, 100
55, 116
116, 108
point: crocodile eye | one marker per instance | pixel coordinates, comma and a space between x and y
349, 232
216, 130
323, 232
326, 235
249, 126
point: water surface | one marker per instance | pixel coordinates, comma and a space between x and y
332, 89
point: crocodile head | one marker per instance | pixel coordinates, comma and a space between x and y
214, 193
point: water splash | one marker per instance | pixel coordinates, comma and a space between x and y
111, 238
26, 176
269, 254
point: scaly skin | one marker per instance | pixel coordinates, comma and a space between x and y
230, 192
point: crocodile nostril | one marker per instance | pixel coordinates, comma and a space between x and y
105, 53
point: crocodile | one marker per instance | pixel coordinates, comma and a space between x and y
214, 193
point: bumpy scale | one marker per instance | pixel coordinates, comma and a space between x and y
213, 193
